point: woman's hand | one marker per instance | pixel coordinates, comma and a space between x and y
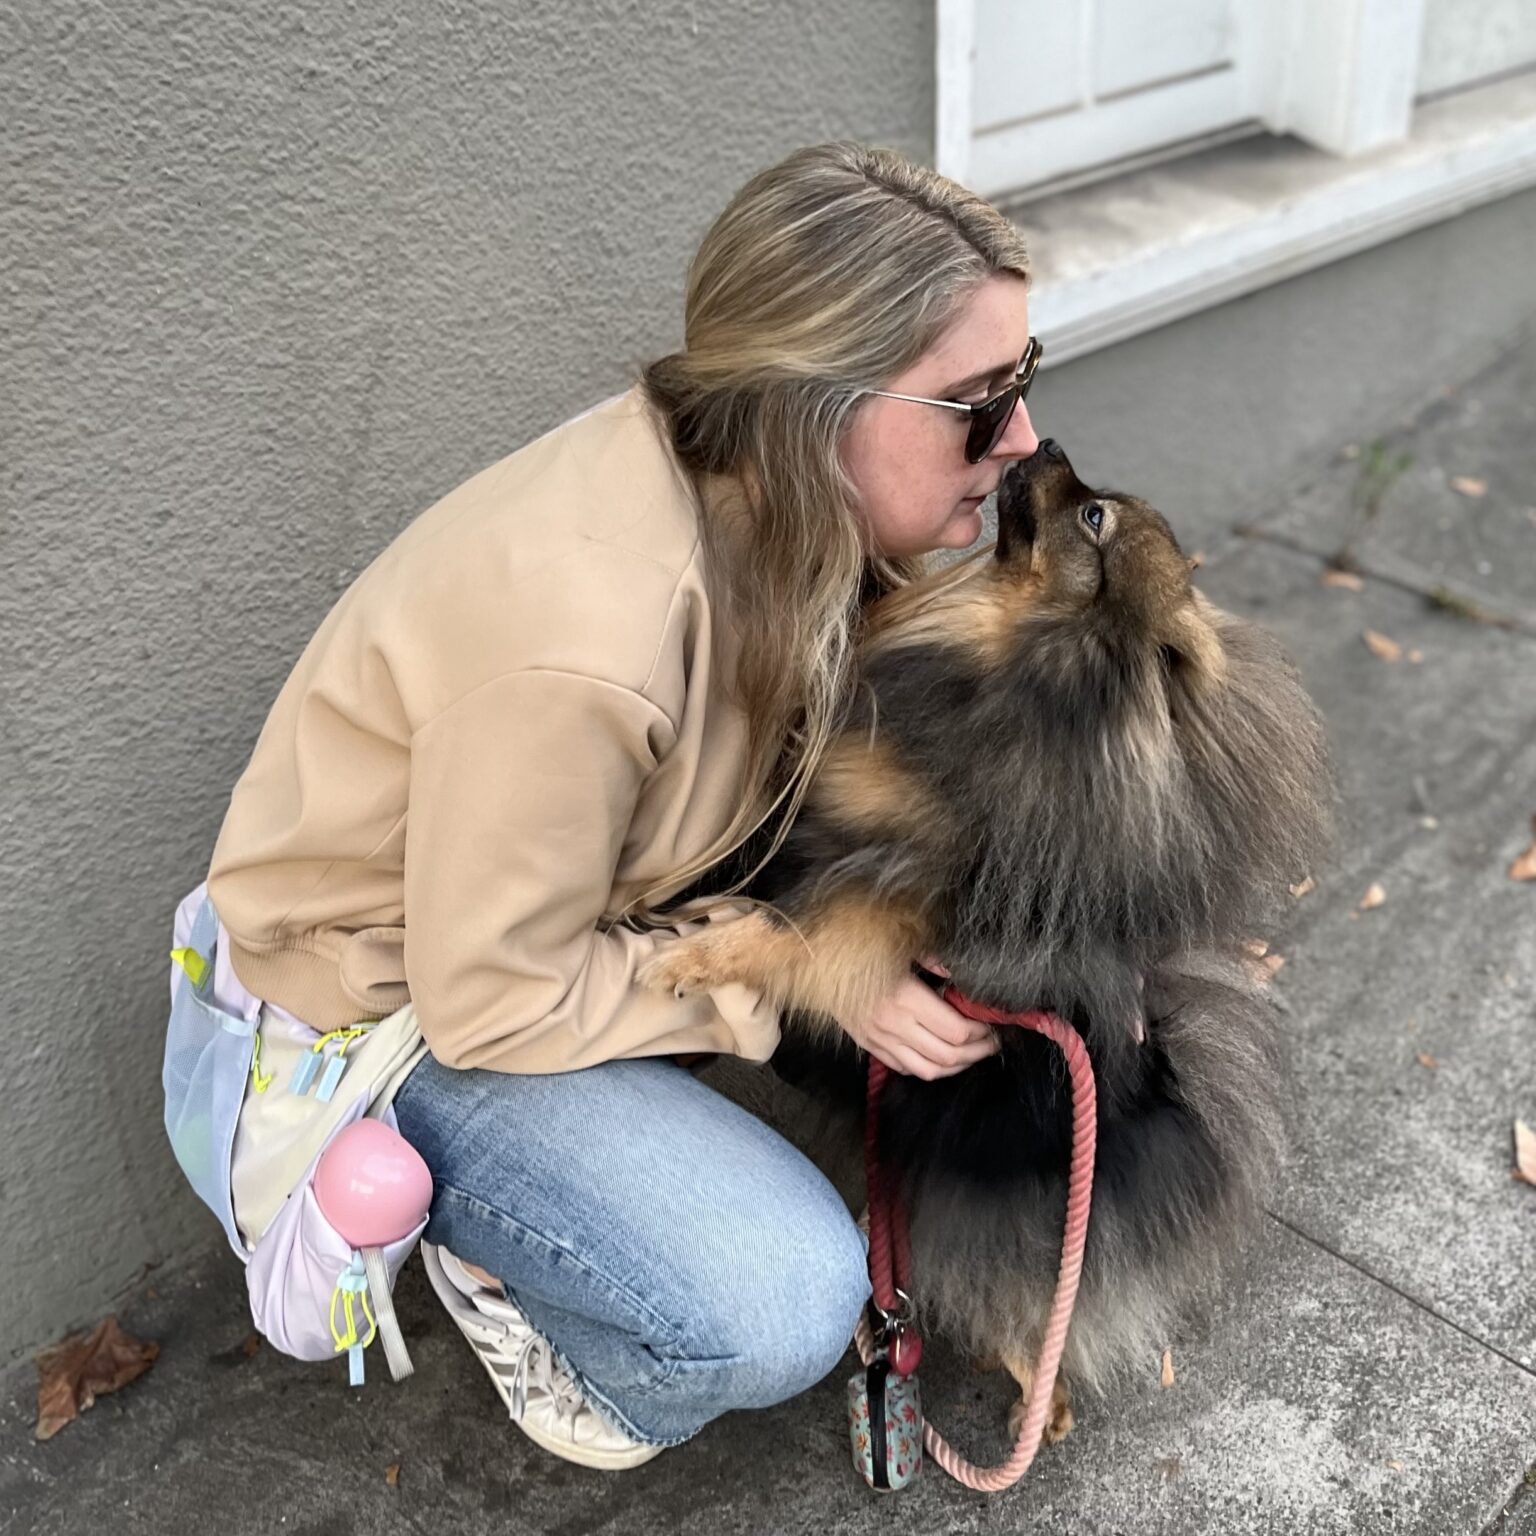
915, 1032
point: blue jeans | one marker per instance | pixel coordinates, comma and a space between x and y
683, 1258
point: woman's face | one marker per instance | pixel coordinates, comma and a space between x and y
916, 490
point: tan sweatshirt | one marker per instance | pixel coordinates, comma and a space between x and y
505, 727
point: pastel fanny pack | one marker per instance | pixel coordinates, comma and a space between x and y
266, 1117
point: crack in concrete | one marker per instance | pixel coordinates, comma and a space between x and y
1521, 1494
1419, 583
1397, 1290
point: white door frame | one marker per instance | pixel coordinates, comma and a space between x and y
1339, 73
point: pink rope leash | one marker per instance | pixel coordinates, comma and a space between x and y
890, 1257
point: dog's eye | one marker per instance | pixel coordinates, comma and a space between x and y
1094, 516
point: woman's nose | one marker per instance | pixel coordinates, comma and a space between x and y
1019, 441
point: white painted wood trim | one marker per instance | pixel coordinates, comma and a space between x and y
956, 45
1138, 251
1343, 73
1009, 156
1057, 146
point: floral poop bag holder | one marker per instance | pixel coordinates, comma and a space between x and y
287, 1135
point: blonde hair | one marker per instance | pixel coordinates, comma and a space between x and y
827, 274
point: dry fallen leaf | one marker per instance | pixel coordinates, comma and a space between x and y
392, 1474
251, 1345
1524, 868
1381, 647
1394, 1463
1305, 888
1167, 1368
1272, 963
1469, 485
1345, 579
1525, 1152
77, 1370
1170, 1467
1372, 898
1424, 1059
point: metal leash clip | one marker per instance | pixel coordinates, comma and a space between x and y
903, 1317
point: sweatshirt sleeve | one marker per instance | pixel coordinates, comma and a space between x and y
521, 795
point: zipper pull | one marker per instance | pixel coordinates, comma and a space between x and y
309, 1065
337, 1064
304, 1073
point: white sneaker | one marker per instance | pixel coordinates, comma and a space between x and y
543, 1399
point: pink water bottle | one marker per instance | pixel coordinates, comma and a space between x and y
372, 1186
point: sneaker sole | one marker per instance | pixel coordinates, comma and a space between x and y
585, 1456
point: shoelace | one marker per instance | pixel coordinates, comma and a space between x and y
536, 1357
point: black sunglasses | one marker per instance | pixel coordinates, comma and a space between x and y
989, 418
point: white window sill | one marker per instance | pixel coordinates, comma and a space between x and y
1129, 254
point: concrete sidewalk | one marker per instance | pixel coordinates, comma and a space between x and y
1377, 1370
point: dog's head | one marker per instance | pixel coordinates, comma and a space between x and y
1107, 557
1126, 769
1172, 771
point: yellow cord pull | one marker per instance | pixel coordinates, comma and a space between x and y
262, 1081
353, 1282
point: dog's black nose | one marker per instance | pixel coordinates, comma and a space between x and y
1051, 448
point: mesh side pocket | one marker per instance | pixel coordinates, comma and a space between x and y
207, 1063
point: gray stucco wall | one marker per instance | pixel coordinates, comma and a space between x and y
276, 279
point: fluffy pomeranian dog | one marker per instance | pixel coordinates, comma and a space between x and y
1085, 789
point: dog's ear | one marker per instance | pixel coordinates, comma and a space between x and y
1192, 644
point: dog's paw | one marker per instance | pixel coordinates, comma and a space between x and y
680, 968
1060, 1423
1058, 1420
